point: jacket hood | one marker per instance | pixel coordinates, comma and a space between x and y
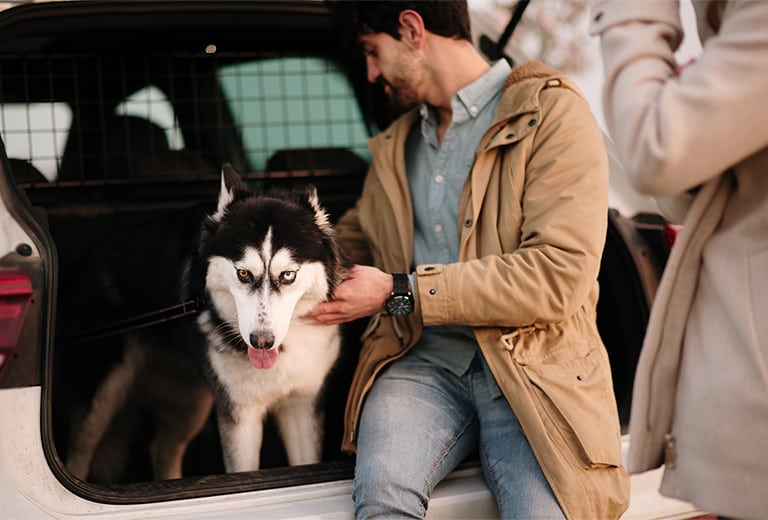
523, 87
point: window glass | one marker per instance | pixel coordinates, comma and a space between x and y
151, 104
291, 103
36, 132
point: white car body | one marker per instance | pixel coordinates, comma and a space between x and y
29, 490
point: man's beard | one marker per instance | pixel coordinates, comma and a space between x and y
400, 98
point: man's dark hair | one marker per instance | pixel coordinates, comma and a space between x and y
449, 18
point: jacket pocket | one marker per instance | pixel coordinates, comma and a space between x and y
576, 396
758, 274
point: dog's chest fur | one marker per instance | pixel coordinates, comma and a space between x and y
307, 355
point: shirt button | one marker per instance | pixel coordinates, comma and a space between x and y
438, 228
439, 178
473, 110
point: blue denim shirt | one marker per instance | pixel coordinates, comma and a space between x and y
436, 175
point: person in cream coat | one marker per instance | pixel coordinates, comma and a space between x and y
696, 138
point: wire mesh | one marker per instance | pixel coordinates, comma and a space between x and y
90, 118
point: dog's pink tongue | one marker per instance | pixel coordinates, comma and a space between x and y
261, 358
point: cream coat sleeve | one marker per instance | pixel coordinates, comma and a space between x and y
672, 132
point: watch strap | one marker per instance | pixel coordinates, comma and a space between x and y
400, 284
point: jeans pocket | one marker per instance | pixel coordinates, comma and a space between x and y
577, 397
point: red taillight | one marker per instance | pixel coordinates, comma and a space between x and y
671, 231
15, 294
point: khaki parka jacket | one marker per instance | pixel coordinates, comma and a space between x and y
532, 221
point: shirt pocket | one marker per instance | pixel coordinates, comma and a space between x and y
576, 398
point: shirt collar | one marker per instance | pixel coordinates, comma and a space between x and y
470, 100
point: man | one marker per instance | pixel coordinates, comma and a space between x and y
487, 199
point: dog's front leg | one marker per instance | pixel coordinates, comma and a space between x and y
241, 433
301, 428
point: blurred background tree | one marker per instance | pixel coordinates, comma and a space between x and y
554, 31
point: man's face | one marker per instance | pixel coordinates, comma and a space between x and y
395, 66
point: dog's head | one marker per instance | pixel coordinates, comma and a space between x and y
269, 259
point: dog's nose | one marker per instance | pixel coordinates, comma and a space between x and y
262, 340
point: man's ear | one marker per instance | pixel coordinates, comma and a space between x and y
412, 29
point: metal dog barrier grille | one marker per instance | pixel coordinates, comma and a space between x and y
75, 119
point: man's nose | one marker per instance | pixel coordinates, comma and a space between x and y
373, 71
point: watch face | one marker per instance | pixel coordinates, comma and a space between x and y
400, 305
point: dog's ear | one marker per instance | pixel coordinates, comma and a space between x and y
230, 177
230, 184
321, 216
339, 263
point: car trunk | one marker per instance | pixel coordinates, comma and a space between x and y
115, 115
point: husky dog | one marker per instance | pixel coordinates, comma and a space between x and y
260, 262
269, 261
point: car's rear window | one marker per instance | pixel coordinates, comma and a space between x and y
277, 104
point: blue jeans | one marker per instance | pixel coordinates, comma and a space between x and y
420, 421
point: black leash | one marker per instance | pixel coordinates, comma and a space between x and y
180, 310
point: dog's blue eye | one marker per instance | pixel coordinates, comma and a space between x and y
287, 277
244, 275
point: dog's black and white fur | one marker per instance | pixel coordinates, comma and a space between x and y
269, 261
260, 262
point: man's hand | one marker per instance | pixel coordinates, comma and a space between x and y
363, 293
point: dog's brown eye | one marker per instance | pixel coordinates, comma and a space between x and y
244, 275
287, 277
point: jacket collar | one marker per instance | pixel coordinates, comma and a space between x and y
520, 98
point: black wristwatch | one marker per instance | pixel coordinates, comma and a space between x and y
400, 302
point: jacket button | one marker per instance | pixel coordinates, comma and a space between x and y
432, 292
532, 122
468, 223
